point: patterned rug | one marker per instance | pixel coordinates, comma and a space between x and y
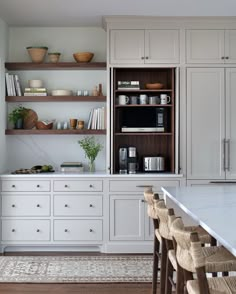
75, 269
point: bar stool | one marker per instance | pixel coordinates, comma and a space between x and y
204, 285
217, 258
150, 198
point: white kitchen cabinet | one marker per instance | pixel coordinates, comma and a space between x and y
144, 46
211, 136
211, 46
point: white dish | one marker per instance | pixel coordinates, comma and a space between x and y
61, 93
35, 83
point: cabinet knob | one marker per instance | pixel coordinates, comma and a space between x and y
90, 186
13, 205
90, 205
91, 230
38, 230
142, 200
66, 230
38, 186
66, 205
13, 230
13, 186
222, 57
146, 57
66, 186
142, 57
38, 205
227, 57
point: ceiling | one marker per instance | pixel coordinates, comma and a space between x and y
69, 13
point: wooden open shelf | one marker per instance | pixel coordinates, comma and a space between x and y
143, 105
55, 98
54, 132
54, 66
143, 134
143, 91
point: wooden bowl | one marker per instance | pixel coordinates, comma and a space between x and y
154, 86
41, 125
83, 56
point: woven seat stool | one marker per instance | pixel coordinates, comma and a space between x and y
216, 258
150, 197
204, 285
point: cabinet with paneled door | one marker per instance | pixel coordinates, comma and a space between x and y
12, 67
211, 46
211, 135
135, 46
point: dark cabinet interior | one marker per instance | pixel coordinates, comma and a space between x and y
150, 128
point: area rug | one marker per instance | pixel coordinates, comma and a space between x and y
76, 269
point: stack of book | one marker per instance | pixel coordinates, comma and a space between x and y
13, 85
76, 167
35, 92
128, 85
97, 119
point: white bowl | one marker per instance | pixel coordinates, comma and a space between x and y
35, 83
61, 93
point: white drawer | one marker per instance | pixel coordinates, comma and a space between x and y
139, 185
77, 205
25, 230
78, 186
78, 230
25, 186
30, 205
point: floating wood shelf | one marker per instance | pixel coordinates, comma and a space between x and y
143, 105
144, 91
143, 134
55, 98
54, 132
55, 66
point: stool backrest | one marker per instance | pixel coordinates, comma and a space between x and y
150, 198
162, 214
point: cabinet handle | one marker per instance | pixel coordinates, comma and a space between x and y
228, 154
90, 205
222, 57
227, 57
224, 155
38, 186
13, 186
222, 182
38, 205
13, 230
144, 186
66, 205
38, 230
91, 230
66, 230
13, 205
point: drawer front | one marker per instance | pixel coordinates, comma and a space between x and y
139, 186
30, 205
78, 186
25, 186
25, 230
78, 230
76, 205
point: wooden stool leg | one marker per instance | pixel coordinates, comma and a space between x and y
155, 264
163, 266
169, 275
179, 280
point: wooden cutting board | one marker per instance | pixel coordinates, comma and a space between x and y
30, 119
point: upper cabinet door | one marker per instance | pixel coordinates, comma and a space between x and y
127, 46
162, 46
205, 123
205, 46
230, 46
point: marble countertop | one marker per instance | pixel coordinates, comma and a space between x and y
213, 207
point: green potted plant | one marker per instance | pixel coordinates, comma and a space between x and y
17, 116
91, 149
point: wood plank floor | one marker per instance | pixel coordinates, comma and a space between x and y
8, 288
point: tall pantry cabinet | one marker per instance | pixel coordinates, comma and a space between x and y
211, 121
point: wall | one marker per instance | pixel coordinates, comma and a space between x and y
3, 54
26, 151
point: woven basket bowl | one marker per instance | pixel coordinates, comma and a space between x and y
37, 54
83, 56
42, 126
154, 86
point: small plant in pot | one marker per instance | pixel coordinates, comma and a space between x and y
91, 149
17, 116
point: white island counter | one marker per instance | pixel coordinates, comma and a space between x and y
213, 207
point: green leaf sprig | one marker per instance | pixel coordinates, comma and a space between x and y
90, 147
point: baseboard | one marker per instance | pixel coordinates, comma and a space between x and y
128, 247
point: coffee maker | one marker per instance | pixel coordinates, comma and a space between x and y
128, 160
